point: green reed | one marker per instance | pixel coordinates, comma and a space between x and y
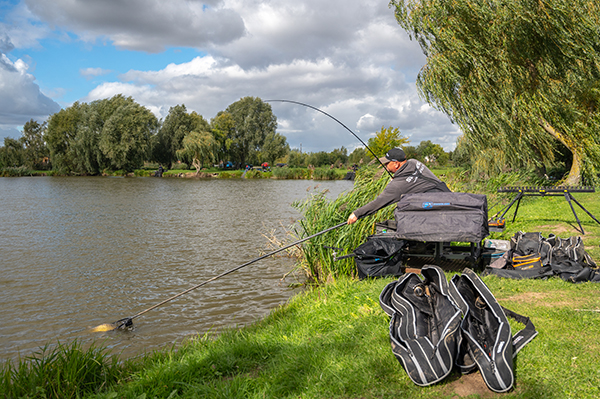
292, 173
329, 174
60, 371
320, 213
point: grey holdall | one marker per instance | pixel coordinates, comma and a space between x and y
436, 326
424, 325
487, 341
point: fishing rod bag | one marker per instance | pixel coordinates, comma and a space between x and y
533, 256
379, 257
424, 325
442, 217
487, 343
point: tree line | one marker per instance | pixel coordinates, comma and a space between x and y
120, 134
378, 145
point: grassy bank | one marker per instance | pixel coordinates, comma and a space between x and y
274, 173
332, 341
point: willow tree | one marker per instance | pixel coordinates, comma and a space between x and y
520, 77
200, 147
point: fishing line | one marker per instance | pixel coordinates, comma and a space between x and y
346, 127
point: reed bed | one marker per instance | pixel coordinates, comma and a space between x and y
320, 213
60, 371
292, 173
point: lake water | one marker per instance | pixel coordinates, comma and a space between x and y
77, 252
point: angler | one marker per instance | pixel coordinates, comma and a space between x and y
409, 176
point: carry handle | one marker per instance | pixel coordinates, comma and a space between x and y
523, 337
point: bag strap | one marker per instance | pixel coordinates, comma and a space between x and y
523, 337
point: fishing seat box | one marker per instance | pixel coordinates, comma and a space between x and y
442, 217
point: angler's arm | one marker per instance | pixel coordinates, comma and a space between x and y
389, 196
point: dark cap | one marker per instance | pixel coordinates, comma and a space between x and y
395, 154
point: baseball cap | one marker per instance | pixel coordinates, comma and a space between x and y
395, 154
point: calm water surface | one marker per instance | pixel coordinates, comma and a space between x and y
78, 252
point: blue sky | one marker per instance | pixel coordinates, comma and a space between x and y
346, 57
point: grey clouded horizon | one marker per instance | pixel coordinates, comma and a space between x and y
349, 58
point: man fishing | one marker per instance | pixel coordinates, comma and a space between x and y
409, 176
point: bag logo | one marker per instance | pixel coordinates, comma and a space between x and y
429, 205
500, 346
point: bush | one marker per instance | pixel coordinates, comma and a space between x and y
16, 172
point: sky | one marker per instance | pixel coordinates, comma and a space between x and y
348, 58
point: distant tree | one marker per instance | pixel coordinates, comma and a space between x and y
61, 134
386, 139
12, 154
125, 138
223, 130
432, 153
297, 159
318, 159
275, 146
35, 150
254, 121
109, 133
360, 156
521, 78
177, 124
411, 152
200, 147
339, 155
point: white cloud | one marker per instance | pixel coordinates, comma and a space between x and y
90, 73
146, 25
24, 100
349, 58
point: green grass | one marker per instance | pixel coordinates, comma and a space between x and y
60, 371
332, 341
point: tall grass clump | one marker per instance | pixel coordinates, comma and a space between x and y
292, 173
233, 174
319, 213
61, 371
328, 174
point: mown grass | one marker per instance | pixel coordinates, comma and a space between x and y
332, 341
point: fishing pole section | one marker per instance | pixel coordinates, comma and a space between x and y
335, 119
127, 322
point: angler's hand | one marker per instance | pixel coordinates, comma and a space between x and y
352, 218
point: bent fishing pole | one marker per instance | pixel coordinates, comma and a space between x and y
128, 321
345, 127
